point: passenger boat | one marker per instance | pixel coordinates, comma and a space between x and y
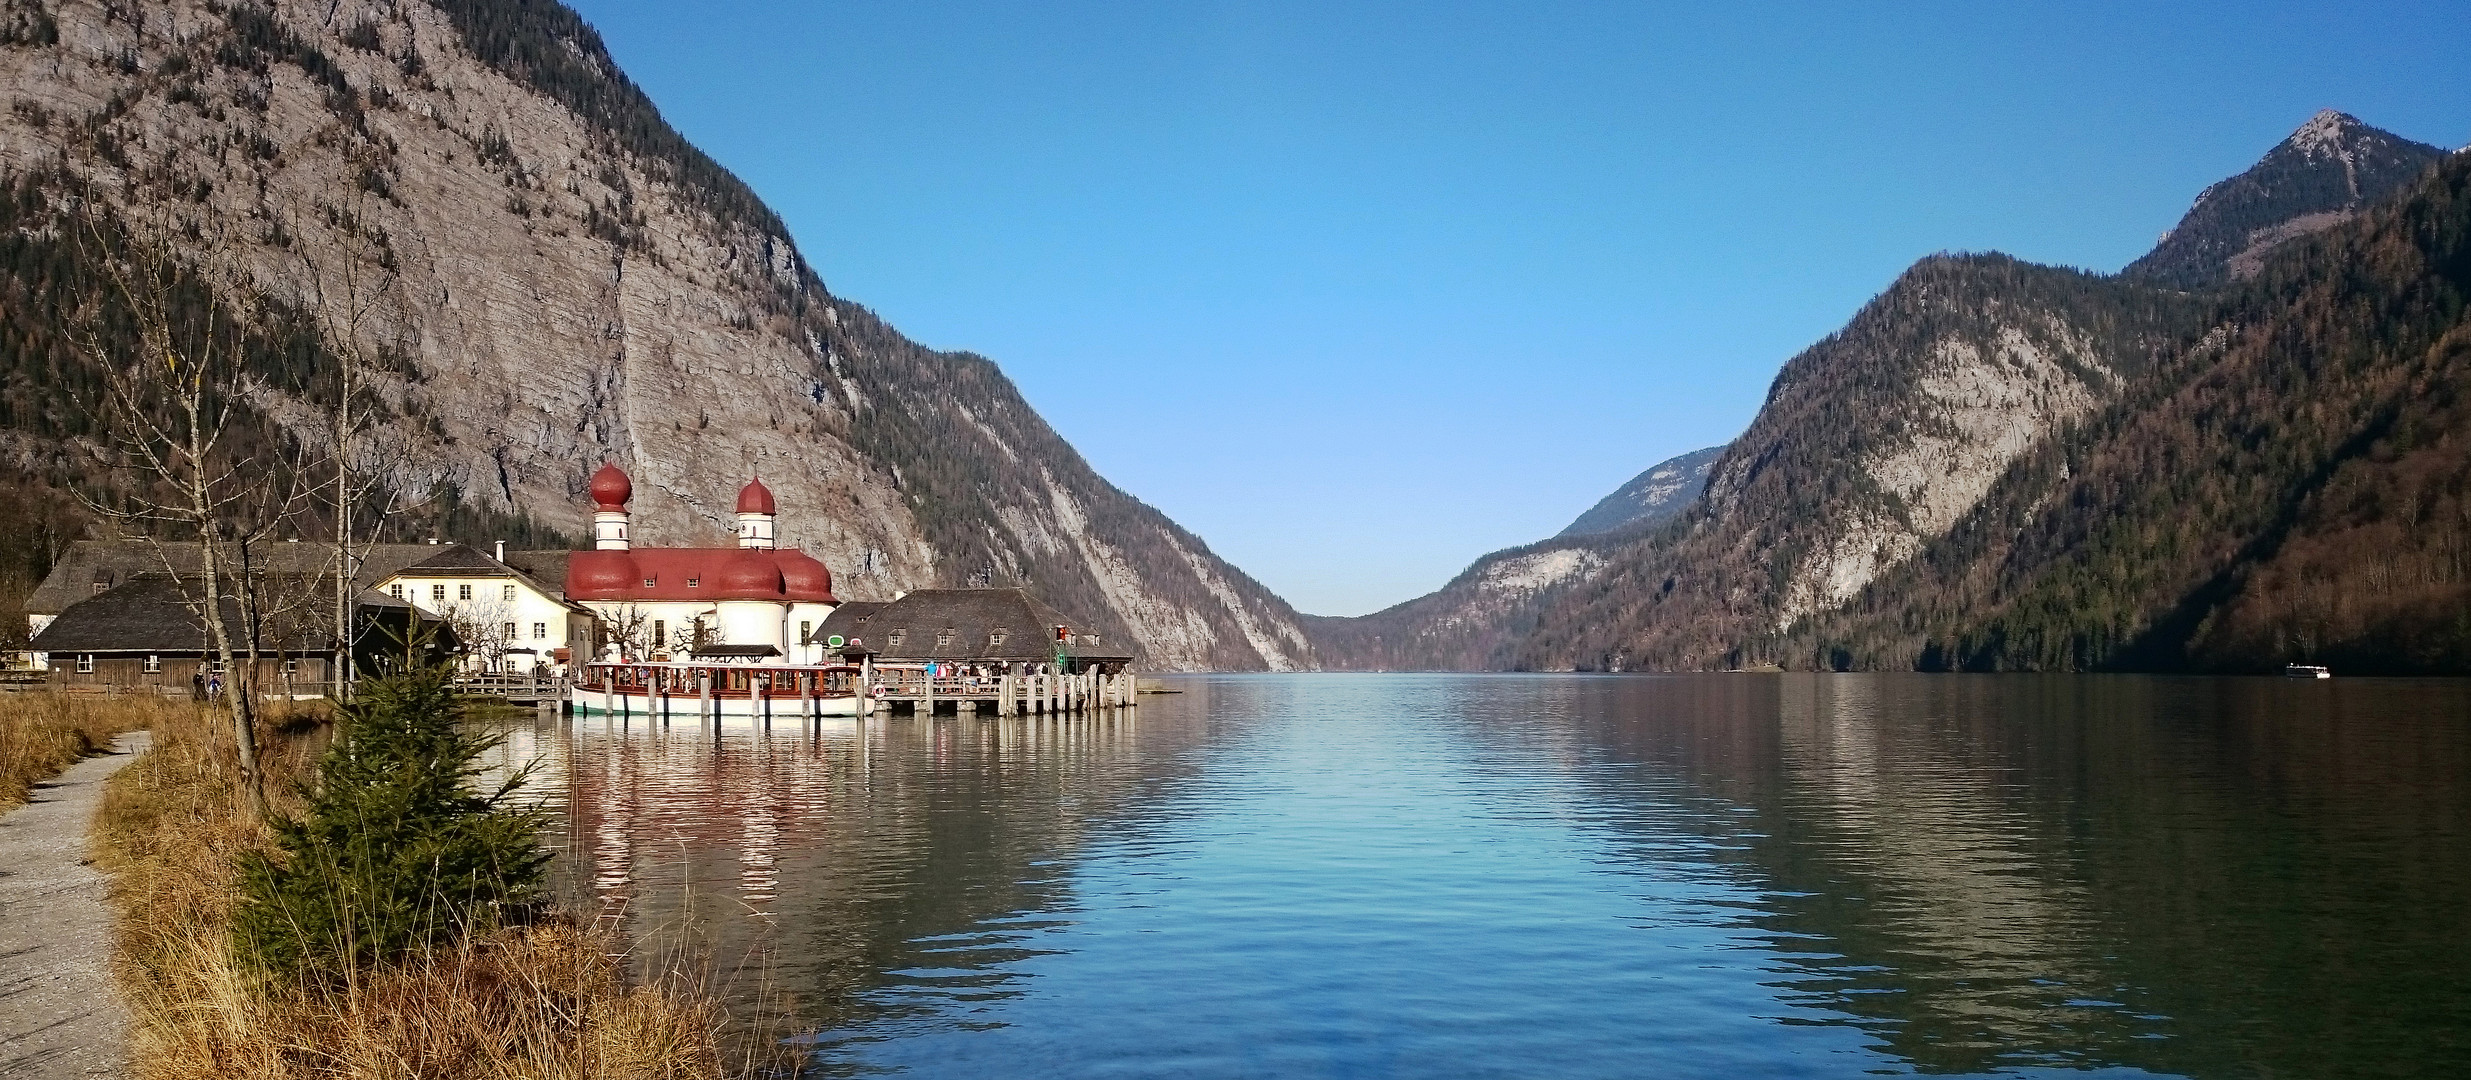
2306, 671
737, 691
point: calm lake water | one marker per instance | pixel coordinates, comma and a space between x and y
1572, 876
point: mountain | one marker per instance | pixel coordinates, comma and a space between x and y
2318, 178
1665, 489
2292, 484
566, 281
1997, 465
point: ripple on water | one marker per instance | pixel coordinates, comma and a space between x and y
1573, 876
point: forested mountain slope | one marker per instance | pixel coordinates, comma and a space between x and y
565, 280
1872, 444
2323, 174
2233, 454
1654, 496
2292, 485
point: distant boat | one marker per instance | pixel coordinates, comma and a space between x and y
2306, 671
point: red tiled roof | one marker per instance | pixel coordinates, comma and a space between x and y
714, 574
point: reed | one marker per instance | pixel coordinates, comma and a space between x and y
549, 1001
42, 734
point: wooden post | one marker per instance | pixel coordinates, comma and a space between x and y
1003, 694
866, 687
806, 689
609, 701
703, 696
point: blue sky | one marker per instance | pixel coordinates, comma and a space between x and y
1359, 292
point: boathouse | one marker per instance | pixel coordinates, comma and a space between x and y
981, 631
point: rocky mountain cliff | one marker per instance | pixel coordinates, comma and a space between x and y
1664, 490
566, 281
1989, 466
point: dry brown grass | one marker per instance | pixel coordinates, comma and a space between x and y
547, 1003
42, 733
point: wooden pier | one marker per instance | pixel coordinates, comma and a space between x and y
1002, 695
764, 693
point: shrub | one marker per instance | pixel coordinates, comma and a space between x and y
396, 853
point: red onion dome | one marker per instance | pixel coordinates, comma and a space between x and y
597, 575
805, 578
611, 488
748, 575
755, 498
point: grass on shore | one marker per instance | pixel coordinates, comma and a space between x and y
42, 734
540, 1003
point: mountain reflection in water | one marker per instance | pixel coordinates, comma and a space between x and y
1571, 875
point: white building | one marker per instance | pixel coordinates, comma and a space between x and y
507, 620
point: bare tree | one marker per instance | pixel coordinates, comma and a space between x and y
167, 334
485, 627
349, 285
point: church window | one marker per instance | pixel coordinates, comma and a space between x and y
463, 591
437, 592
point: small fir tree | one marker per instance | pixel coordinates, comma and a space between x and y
398, 852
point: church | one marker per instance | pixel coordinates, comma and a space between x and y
752, 603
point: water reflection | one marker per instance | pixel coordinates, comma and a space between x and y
841, 874
1456, 875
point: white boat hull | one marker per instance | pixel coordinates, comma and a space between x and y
690, 707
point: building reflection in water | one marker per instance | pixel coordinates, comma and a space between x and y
838, 874
2204, 877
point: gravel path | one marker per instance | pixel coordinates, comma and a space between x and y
59, 1016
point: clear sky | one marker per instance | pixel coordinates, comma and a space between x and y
1360, 291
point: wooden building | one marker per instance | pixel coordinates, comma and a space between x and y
981, 631
142, 634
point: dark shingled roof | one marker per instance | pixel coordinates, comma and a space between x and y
464, 560
965, 621
459, 560
87, 563
545, 567
151, 615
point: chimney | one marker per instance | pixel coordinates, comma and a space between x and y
501, 551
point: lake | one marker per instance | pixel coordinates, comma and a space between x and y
1567, 876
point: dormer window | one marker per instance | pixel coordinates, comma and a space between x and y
943, 638
893, 640
996, 638
694, 582
650, 582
